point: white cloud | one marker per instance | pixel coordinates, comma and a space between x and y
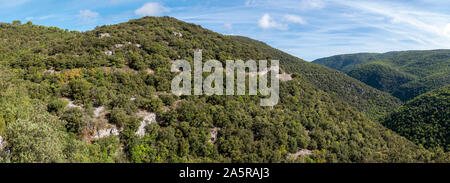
151, 9
88, 18
294, 19
266, 22
312, 4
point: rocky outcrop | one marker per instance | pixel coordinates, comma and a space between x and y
72, 105
177, 34
284, 77
119, 45
102, 35
109, 53
98, 111
302, 152
113, 131
1, 143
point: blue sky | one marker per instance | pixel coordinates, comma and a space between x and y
308, 29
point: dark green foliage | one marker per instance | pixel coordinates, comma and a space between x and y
342, 87
119, 117
422, 85
424, 120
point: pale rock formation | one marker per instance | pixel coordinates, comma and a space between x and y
1, 143
72, 105
109, 53
119, 45
98, 111
284, 77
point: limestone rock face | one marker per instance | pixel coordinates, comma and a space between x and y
1, 143
149, 118
102, 35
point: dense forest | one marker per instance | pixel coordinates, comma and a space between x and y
424, 120
104, 96
405, 74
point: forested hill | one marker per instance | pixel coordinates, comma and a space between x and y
404, 74
104, 96
425, 120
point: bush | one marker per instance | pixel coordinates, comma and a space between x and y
76, 122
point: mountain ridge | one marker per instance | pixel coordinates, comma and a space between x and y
67, 77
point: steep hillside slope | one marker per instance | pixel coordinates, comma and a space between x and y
340, 86
424, 120
403, 74
104, 96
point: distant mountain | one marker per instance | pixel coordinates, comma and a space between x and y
104, 96
404, 74
424, 120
